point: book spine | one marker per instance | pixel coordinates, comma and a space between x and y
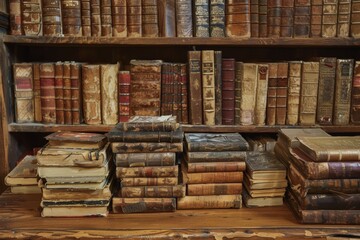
213, 177
248, 93
263, 18
201, 18
194, 167
254, 18
15, 17
208, 86
147, 127
86, 18
184, 94
228, 91
76, 103
119, 18
37, 95
31, 17
150, 181
134, 18
343, 18
124, 95
329, 18
287, 18
217, 18
106, 18
176, 82
355, 95
239, 75
293, 100
143, 205
261, 94
47, 92
218, 87
167, 91
209, 202
91, 94
67, 93
212, 156
344, 77
150, 27
355, 19
316, 18
144, 159
155, 136
123, 147
166, 15
195, 88
302, 19
154, 191
237, 18
52, 23
109, 93
71, 17
271, 95
59, 93
95, 18
153, 171
281, 93
184, 18
274, 18
214, 189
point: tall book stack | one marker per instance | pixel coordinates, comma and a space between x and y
145, 150
76, 175
323, 175
213, 170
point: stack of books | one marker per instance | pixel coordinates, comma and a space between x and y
145, 155
76, 175
213, 168
264, 181
323, 175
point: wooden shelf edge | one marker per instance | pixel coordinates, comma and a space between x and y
38, 127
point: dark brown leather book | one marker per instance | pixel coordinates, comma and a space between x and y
91, 93
343, 85
47, 92
23, 91
119, 18
264, 165
237, 15
302, 18
316, 18
211, 177
293, 98
52, 23
167, 18
59, 93
261, 94
109, 93
271, 95
106, 18
247, 91
143, 205
218, 87
78, 140
154, 191
326, 91
194, 167
239, 75
184, 93
148, 181
31, 17
210, 202
176, 92
329, 18
208, 86
263, 19
153, 171
254, 18
71, 17
228, 91
274, 18
15, 17
221, 156
145, 147
287, 18
343, 18
149, 123
217, 18
76, 94
150, 26
144, 159
168, 88
214, 189
145, 88
355, 95
134, 18
195, 88
37, 96
355, 19
205, 142
184, 18
289, 134
95, 18
86, 17
201, 20
124, 95
67, 93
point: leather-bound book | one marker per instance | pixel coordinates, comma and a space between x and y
261, 94
355, 19
144, 159
308, 93
24, 95
143, 205
109, 93
343, 21
15, 17
149, 123
195, 88
134, 18
263, 19
248, 87
343, 85
184, 18
67, 93
201, 20
76, 94
239, 69
237, 15
355, 95
146, 147
287, 18
31, 17
119, 18
149, 11
52, 23
106, 18
95, 18
264, 165
274, 18
145, 88
91, 93
71, 17
325, 105
86, 17
153, 171
210, 156
287, 136
212, 177
37, 96
209, 202
59, 93
329, 18
167, 18
228, 91
194, 167
208, 86
217, 18
47, 91
167, 88
218, 87
184, 93
254, 18
293, 99
271, 95
302, 19
149, 181
154, 191
316, 18
124, 95
214, 189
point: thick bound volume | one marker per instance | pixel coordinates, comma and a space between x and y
71, 17
145, 159
109, 93
218, 87
134, 18
224, 166
124, 95
24, 173
264, 165
15, 17
153, 171
106, 18
344, 79
47, 88
302, 18
145, 88
52, 24
184, 93
239, 75
150, 27
343, 18
271, 94
24, 96
208, 86
228, 91
237, 15
76, 140
31, 17
217, 18
287, 18
95, 18
143, 205
153, 191
169, 90
91, 93
247, 89
254, 18
281, 93
119, 18
37, 95
261, 94
184, 18
149, 181
166, 16
124, 147
287, 137
149, 123
274, 18
212, 177
220, 156
293, 98
316, 18
201, 19
355, 19
195, 88
329, 18
210, 201
67, 93
76, 99
86, 17
263, 18
355, 94
214, 189
59, 93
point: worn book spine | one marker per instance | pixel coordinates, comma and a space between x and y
119, 18
154, 124
237, 18
184, 18
134, 18
239, 69
143, 205
271, 95
167, 88
69, 194
91, 93
302, 18
31, 17
86, 17
167, 18
52, 23
218, 87
144, 159
214, 189
209, 202
261, 94
37, 95
148, 181
154, 136
212, 156
316, 18
176, 104
263, 18
274, 18
184, 94
201, 20
343, 18
123, 147
287, 18
248, 88
308, 93
150, 26
195, 167
145, 88
212, 177
154, 191
24, 95
355, 95
47, 92
106, 18
355, 19
71, 17
76, 94
217, 18
254, 18
15, 17
124, 95
153, 171
228, 91
208, 86
329, 18
109, 93
67, 93
59, 93
343, 85
95, 18
195, 88
293, 100
324, 110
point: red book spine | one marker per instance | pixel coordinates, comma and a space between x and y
67, 93
47, 92
59, 93
124, 95
228, 91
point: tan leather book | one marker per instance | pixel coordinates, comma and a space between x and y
150, 26
106, 18
31, 17
302, 19
148, 181
329, 18
52, 23
271, 94
47, 88
134, 18
239, 75
343, 21
343, 87
15, 17
184, 18
274, 18
91, 93
355, 95
355, 19
151, 171
146, 147
119, 18
201, 19
287, 18
95, 18
37, 95
71, 17
248, 88
212, 177
254, 18
193, 167
166, 16
293, 98
217, 18
77, 211
210, 202
195, 88
67, 93
316, 18
308, 93
237, 18
208, 86
143, 205
59, 93
76, 98
214, 189
109, 93
154, 191
261, 94
281, 93
144, 159
263, 19
86, 17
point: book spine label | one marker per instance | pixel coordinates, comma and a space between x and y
209, 202
143, 205
293, 101
355, 95
150, 27
151, 181
195, 88
184, 18
144, 159
154, 191
208, 86
228, 91
214, 189
124, 95
109, 93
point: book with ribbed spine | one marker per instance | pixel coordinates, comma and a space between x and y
67, 93
31, 17
151, 171
119, 18
228, 91
224, 166
153, 191
355, 95
148, 181
15, 17
184, 18
210, 202
217, 156
163, 123
145, 159
208, 86
51, 16
355, 19
237, 18
106, 18
263, 18
59, 93
149, 11
76, 99
254, 18
109, 93
124, 81
37, 95
134, 18
261, 94
86, 17
91, 93
248, 88
201, 19
293, 98
343, 18
281, 93
302, 18
204, 189
274, 18
329, 18
143, 205
167, 18
195, 88
95, 18
218, 87
217, 18
71, 17
271, 94
287, 18
316, 18
146, 147
47, 89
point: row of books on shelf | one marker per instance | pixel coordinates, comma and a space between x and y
185, 18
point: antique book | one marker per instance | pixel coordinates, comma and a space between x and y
47, 92
355, 19
217, 18
261, 143
166, 123
31, 17
343, 18
355, 94
281, 93
59, 93
248, 88
124, 95
71, 17
214, 189
261, 201
77, 211
218, 156
148, 181
274, 18
109, 93
194, 167
78, 194
239, 75
15, 17
149, 15
308, 93
209, 202
329, 18
270, 192
208, 86
264, 165
201, 20
91, 93
134, 18
271, 95
261, 94
205, 142
67, 93
195, 88
288, 135
237, 18
316, 18
86, 17
184, 18
119, 18
170, 90
228, 91
184, 93
51, 18
74, 183
263, 18
25, 189
36, 91
302, 18
343, 87
153, 191
143, 147
73, 203
211, 177
265, 183
167, 18
254, 18
145, 159
287, 18
95, 18
218, 87
151, 171
145, 88
143, 205
106, 18
80, 140
24, 173
293, 97
24, 92
76, 98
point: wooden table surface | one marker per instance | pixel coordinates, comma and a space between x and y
20, 218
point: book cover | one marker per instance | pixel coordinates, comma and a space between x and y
149, 11
214, 189
293, 98
24, 173
228, 91
288, 135
153, 191
167, 18
143, 205
91, 140
195, 88
184, 18
166, 123
119, 18
210, 202
208, 86
145, 159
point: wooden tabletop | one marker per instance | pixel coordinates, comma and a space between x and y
20, 218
